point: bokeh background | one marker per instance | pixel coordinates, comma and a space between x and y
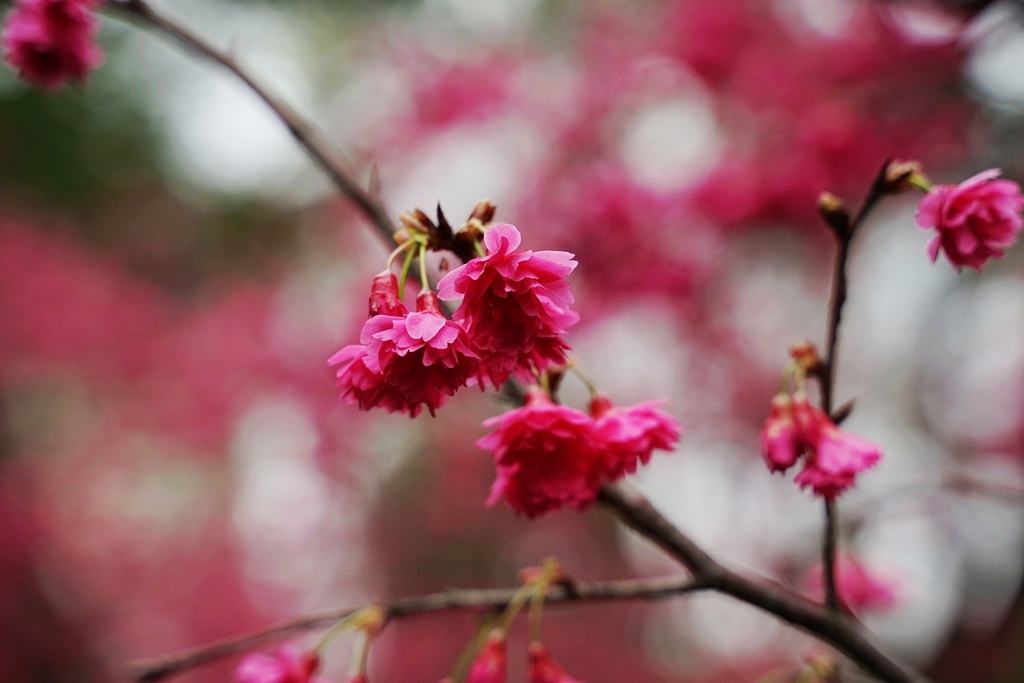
173, 274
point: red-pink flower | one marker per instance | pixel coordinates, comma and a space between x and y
545, 455
288, 664
51, 42
544, 669
490, 663
627, 437
779, 436
859, 589
975, 221
832, 458
833, 464
384, 297
516, 305
405, 362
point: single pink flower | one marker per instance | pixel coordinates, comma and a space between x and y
832, 458
489, 666
405, 362
832, 465
51, 42
628, 436
975, 221
544, 669
860, 590
288, 664
516, 305
545, 455
779, 446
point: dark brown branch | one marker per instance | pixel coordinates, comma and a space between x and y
304, 132
834, 628
433, 603
844, 238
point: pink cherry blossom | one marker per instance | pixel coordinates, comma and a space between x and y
833, 464
860, 590
628, 436
51, 42
975, 221
288, 664
544, 669
832, 458
490, 663
406, 362
516, 305
779, 436
545, 455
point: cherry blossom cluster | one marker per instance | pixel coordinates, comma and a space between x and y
516, 306
52, 42
798, 430
550, 456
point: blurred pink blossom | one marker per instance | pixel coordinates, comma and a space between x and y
51, 42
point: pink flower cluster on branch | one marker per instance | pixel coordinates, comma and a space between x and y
832, 458
551, 456
516, 305
52, 42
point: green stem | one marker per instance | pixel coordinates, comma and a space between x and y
398, 250
406, 265
424, 281
587, 382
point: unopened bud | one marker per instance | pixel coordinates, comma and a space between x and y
483, 211
903, 175
806, 356
834, 213
416, 221
384, 299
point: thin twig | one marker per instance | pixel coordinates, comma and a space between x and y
837, 300
302, 130
399, 608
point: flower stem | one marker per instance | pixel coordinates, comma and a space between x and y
424, 281
404, 275
585, 379
398, 250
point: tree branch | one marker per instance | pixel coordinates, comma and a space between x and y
432, 603
834, 628
302, 130
837, 300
